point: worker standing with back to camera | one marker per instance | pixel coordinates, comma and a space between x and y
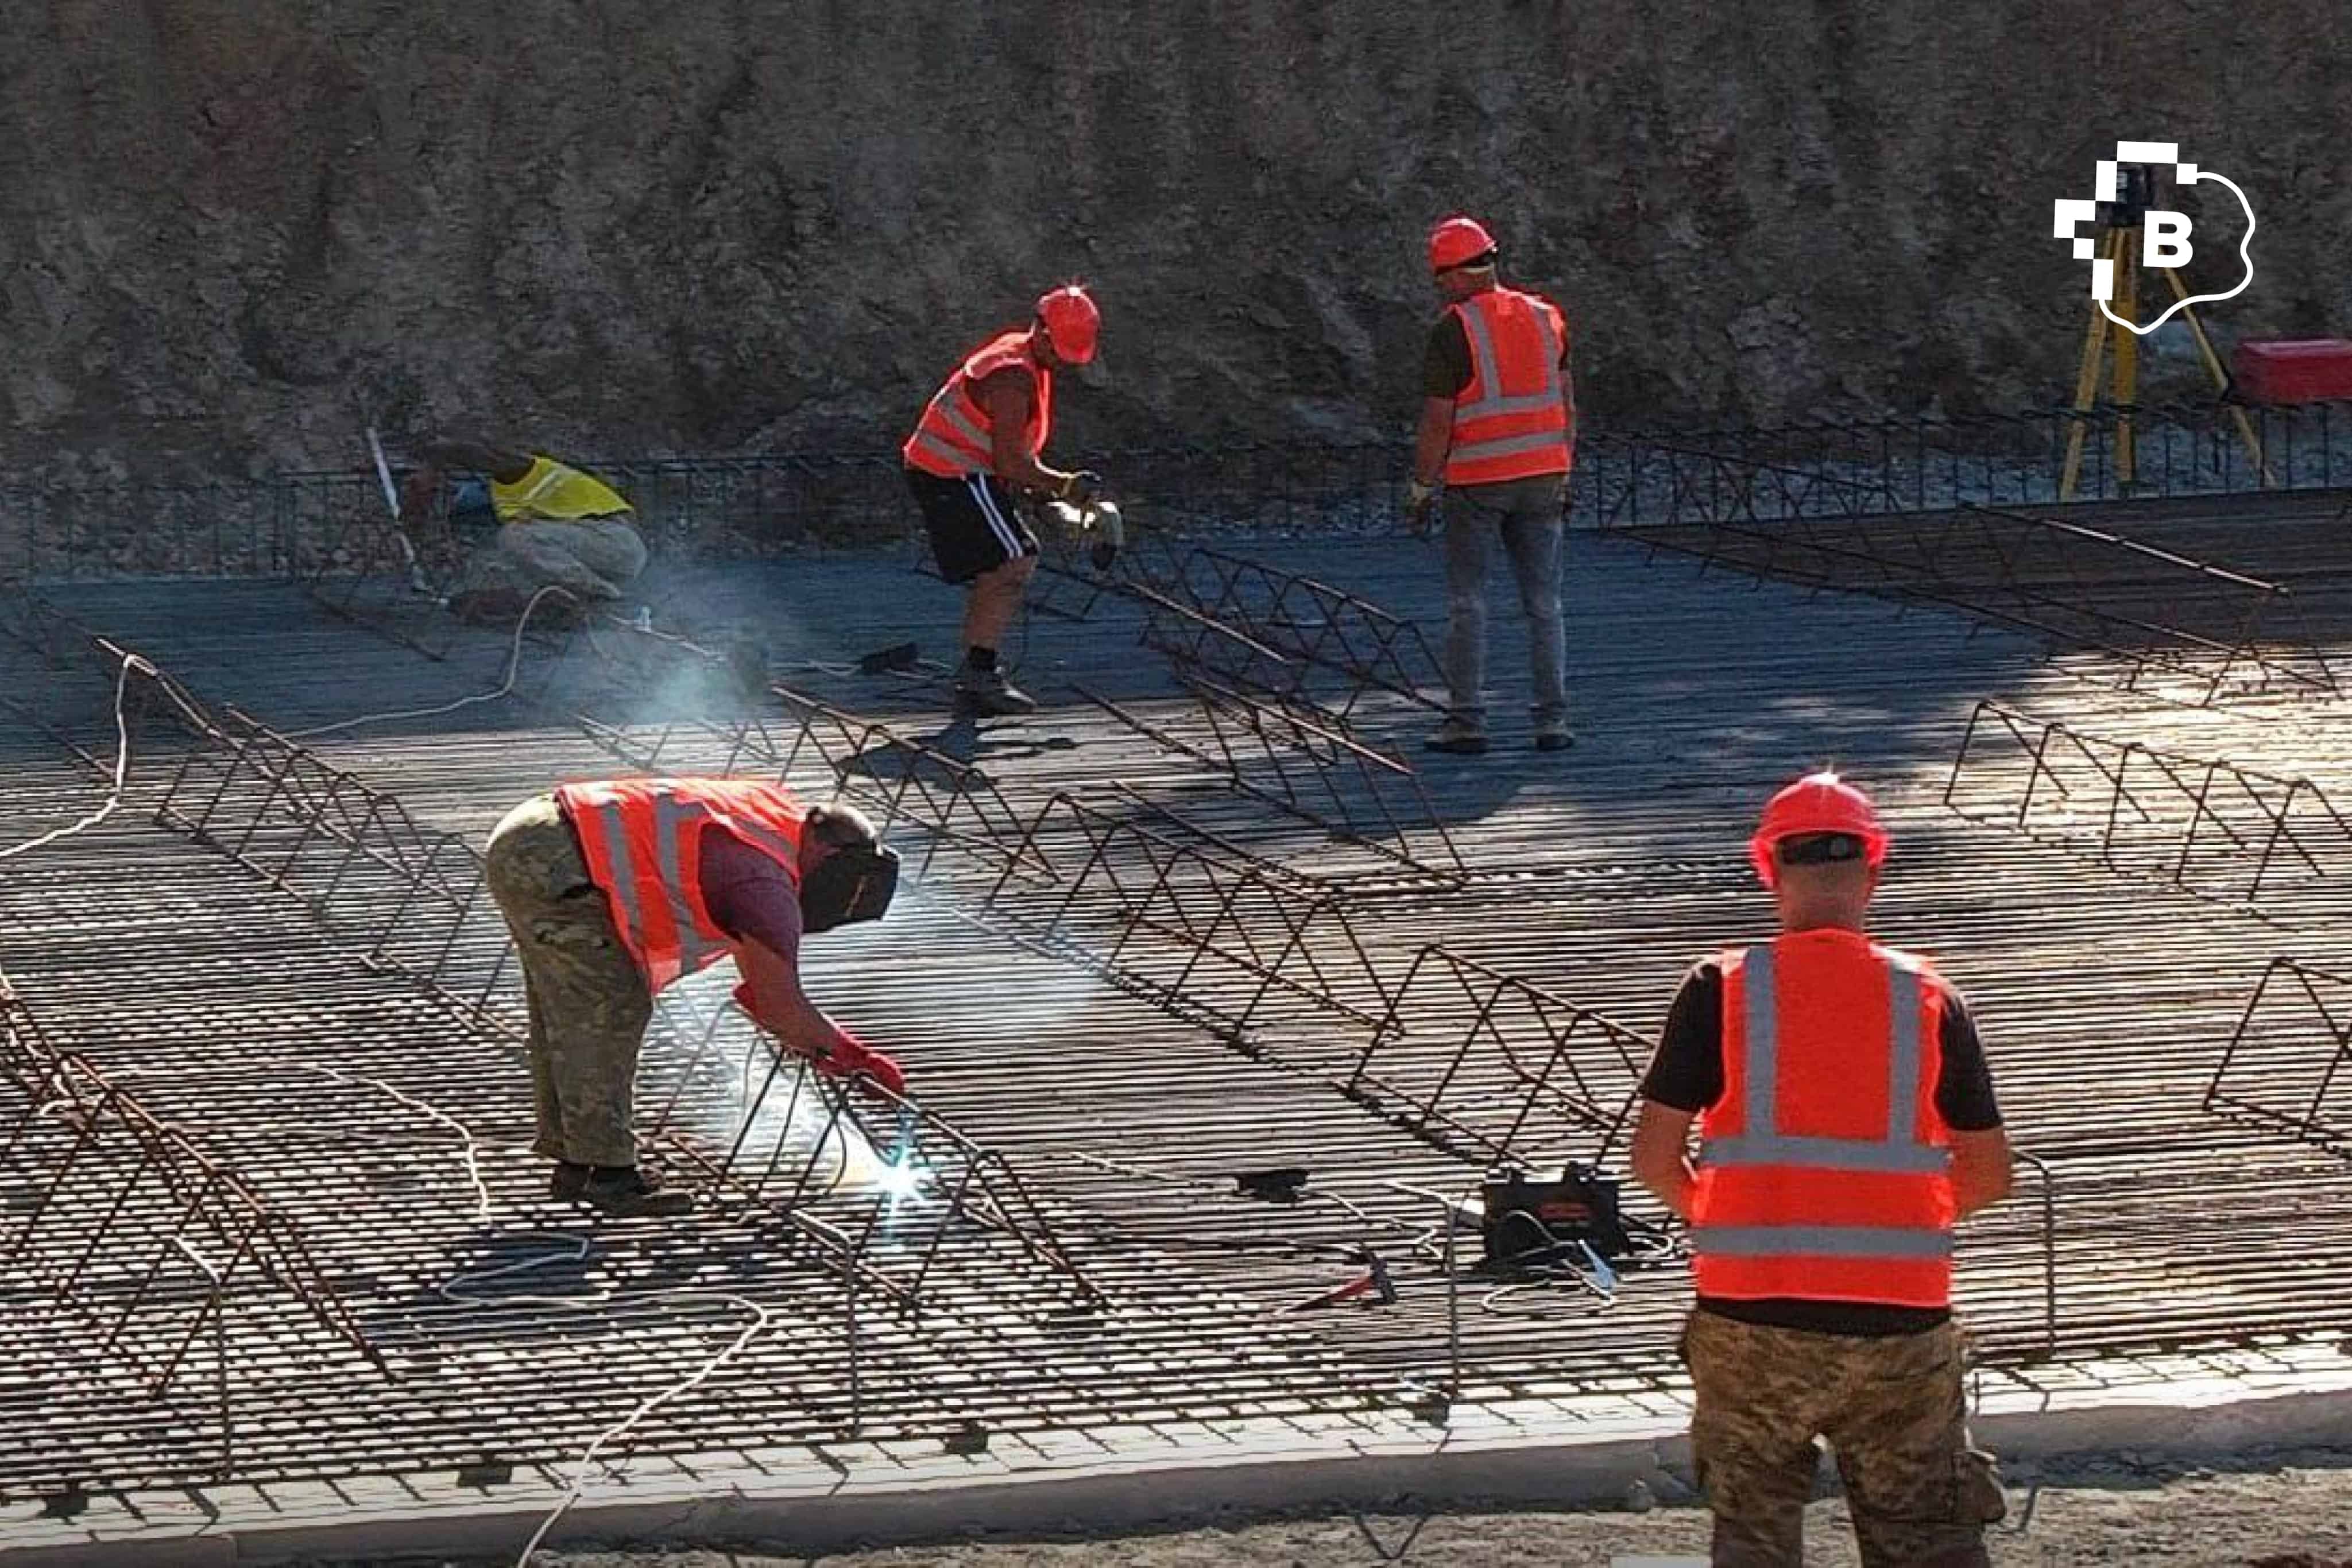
975, 455
1499, 434
1847, 1121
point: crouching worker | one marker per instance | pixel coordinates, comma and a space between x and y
613, 890
557, 527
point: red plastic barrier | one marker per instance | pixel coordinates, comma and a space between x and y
2304, 369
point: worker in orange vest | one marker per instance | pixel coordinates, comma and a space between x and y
1498, 431
615, 890
976, 457
1847, 1120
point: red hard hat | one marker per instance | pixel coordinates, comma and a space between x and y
1072, 322
1817, 803
1457, 240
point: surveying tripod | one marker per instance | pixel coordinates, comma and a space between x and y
2122, 223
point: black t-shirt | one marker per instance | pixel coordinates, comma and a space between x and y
1445, 363
1687, 1075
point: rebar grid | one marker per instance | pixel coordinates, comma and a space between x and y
1307, 764
1310, 626
1475, 1090
140, 1233
357, 564
2289, 1058
2074, 585
1224, 911
2204, 825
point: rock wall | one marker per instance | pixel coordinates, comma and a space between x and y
236, 228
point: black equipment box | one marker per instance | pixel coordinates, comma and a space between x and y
1527, 1215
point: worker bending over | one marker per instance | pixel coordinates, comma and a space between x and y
975, 456
1847, 1121
1498, 431
558, 527
617, 889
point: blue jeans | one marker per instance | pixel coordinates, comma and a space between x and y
1527, 513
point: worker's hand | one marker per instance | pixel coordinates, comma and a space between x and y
1419, 505
1080, 488
867, 1067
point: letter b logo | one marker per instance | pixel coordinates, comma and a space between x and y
2165, 241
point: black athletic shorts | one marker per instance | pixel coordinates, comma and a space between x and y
972, 522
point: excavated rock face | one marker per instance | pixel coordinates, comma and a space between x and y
234, 227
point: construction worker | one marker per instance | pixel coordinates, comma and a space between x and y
975, 456
617, 889
1847, 1120
1497, 431
558, 526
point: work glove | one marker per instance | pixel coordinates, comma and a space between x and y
1081, 488
1419, 505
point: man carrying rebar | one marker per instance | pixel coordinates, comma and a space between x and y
974, 456
1847, 1120
1497, 433
557, 527
617, 889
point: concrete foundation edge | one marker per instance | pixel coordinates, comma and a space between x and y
1533, 1474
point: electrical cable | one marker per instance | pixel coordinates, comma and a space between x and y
458, 1290
121, 763
514, 667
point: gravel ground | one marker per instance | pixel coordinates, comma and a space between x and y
2277, 1510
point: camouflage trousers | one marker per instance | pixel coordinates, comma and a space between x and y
589, 1006
595, 559
1893, 1414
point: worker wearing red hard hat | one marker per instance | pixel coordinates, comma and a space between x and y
974, 457
1847, 1120
1499, 432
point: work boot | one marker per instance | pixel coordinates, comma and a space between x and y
568, 1181
1458, 735
986, 694
626, 1192
1552, 735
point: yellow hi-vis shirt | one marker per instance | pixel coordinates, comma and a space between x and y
555, 493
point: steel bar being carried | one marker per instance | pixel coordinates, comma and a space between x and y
2204, 825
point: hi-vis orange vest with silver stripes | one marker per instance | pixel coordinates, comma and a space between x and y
1824, 1169
641, 839
1512, 421
955, 436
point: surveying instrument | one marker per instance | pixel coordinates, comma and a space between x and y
2123, 224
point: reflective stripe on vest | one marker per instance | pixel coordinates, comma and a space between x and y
1500, 434
1798, 1214
659, 909
955, 436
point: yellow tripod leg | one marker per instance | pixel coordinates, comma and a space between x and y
2126, 385
2086, 392
2221, 378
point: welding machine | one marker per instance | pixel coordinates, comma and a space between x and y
1529, 1216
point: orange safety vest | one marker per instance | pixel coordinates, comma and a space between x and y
955, 436
641, 839
1512, 421
1824, 1169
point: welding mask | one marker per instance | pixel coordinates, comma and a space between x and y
855, 883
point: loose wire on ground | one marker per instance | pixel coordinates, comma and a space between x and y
122, 765
514, 667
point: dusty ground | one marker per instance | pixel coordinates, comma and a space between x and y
2280, 1511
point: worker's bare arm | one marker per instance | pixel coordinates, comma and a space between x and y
1433, 440
1661, 1156
1982, 1169
780, 1005
1007, 395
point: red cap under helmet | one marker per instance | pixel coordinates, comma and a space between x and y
1072, 322
1457, 240
1817, 803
